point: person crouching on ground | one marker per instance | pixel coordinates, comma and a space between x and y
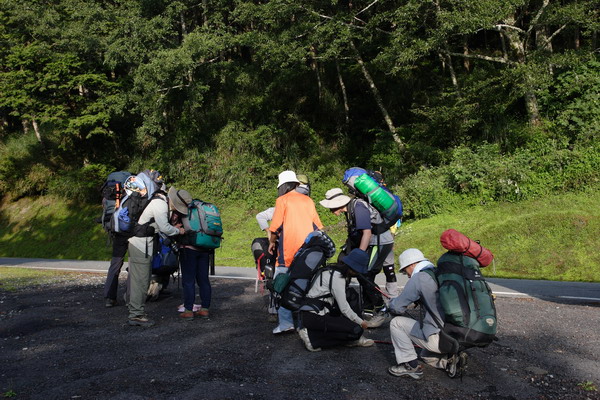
327, 319
405, 331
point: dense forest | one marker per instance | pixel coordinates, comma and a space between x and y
457, 102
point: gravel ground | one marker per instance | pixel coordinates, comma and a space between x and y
57, 341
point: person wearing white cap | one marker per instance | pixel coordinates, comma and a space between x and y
405, 331
360, 218
294, 218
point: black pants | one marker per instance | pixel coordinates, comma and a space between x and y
328, 330
119, 250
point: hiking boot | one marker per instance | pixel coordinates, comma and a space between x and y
361, 342
304, 336
273, 318
406, 370
202, 313
376, 321
110, 303
187, 315
456, 364
144, 322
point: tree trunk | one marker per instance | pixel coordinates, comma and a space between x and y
36, 129
314, 64
466, 62
344, 96
377, 96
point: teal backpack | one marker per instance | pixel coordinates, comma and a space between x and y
205, 223
467, 300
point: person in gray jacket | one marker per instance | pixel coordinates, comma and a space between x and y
155, 215
406, 331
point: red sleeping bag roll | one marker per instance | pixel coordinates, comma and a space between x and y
455, 241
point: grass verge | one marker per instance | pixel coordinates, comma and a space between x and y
554, 238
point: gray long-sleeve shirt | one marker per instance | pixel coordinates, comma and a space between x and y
157, 209
338, 291
420, 287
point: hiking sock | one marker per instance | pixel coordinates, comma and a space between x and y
414, 363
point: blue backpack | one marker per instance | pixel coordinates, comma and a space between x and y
166, 256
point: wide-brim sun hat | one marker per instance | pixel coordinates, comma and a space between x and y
287, 176
335, 198
358, 260
179, 199
409, 257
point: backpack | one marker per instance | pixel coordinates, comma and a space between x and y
165, 260
127, 216
317, 248
265, 261
467, 301
455, 241
205, 223
112, 193
369, 186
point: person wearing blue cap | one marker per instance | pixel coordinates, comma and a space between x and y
327, 319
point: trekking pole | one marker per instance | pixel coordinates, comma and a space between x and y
371, 284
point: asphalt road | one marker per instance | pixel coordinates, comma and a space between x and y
568, 291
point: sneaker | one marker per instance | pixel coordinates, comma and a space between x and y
376, 321
278, 329
110, 303
304, 336
406, 370
456, 364
187, 315
140, 321
361, 342
202, 313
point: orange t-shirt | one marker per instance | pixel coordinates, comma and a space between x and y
294, 218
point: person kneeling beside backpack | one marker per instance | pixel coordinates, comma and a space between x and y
327, 319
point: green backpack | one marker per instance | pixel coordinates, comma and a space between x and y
467, 301
205, 222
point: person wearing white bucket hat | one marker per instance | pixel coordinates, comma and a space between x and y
407, 332
294, 218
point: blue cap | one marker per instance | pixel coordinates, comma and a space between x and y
358, 260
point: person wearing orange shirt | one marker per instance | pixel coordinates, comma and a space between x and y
294, 218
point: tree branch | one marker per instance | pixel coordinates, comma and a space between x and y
556, 32
482, 57
516, 28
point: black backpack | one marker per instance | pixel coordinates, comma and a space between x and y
317, 248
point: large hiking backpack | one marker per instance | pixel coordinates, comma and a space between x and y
205, 223
455, 241
467, 300
265, 261
165, 260
369, 186
317, 248
113, 192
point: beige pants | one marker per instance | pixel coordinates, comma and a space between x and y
138, 280
400, 328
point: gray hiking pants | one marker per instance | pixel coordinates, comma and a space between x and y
138, 280
400, 328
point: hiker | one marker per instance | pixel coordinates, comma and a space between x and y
155, 216
327, 319
294, 218
406, 331
264, 218
194, 261
379, 247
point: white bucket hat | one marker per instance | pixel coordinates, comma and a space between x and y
335, 198
287, 176
410, 256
